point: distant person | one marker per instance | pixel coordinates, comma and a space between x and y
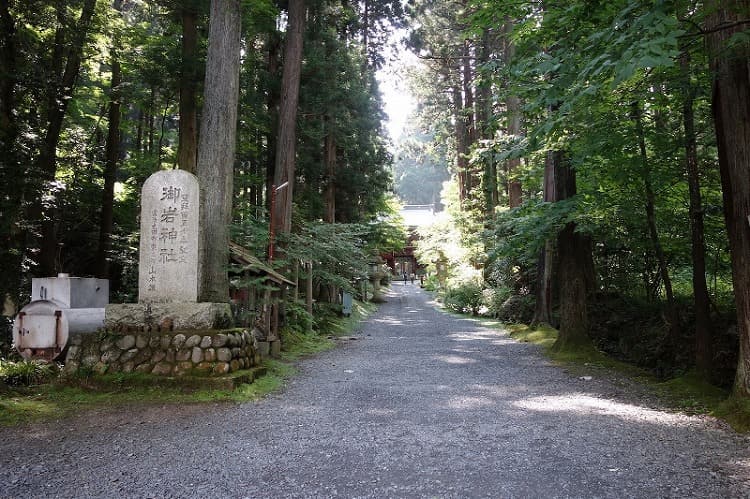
406, 276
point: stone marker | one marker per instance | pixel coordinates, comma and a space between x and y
168, 263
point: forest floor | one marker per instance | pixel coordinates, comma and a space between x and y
418, 403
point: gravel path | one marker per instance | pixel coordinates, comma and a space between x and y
423, 404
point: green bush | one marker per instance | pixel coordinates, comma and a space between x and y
297, 317
26, 373
465, 298
493, 300
431, 283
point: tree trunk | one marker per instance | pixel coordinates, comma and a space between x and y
486, 131
286, 147
217, 148
151, 119
545, 267
46, 163
139, 131
574, 266
462, 146
187, 152
731, 110
272, 103
573, 250
467, 78
650, 206
329, 155
701, 300
513, 109
112, 156
309, 289
515, 195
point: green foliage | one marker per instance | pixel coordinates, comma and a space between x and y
465, 298
27, 373
338, 252
298, 319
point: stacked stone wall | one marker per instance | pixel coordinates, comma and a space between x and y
173, 353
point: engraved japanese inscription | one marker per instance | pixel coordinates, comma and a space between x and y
168, 264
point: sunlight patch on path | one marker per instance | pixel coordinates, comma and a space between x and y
454, 359
587, 405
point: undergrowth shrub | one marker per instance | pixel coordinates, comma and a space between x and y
464, 298
325, 315
297, 317
6, 337
26, 373
493, 300
431, 283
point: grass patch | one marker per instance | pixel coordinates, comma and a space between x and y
736, 412
582, 358
58, 400
543, 336
693, 394
61, 397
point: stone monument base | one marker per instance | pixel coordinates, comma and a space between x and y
163, 317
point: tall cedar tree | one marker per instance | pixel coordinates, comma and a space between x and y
286, 146
217, 148
187, 152
731, 109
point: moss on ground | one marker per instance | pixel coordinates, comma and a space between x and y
689, 393
66, 395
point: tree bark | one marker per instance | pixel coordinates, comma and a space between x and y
272, 103
329, 155
573, 251
151, 119
701, 300
467, 77
545, 267
286, 147
112, 156
574, 265
139, 131
462, 146
187, 151
486, 131
731, 110
513, 110
217, 148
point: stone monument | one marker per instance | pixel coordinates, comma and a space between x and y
168, 265
168, 262
168, 332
